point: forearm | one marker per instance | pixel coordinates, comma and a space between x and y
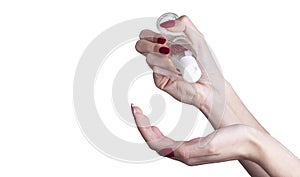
273, 156
239, 111
235, 112
240, 114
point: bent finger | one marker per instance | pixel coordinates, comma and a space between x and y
161, 61
144, 46
152, 36
185, 25
143, 124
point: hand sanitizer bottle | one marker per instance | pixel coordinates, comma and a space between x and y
181, 50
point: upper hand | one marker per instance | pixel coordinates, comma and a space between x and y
167, 78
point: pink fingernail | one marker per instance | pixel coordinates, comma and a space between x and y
168, 24
167, 152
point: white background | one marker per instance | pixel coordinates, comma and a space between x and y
256, 42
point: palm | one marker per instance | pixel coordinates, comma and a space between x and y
181, 90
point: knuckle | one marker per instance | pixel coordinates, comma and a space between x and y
156, 47
143, 32
211, 148
183, 154
151, 146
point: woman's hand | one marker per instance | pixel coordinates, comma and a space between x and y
234, 142
168, 78
210, 93
229, 143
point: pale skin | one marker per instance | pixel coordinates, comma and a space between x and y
259, 153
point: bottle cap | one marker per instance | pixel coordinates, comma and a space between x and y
190, 69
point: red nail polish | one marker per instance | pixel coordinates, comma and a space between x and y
161, 40
164, 50
131, 105
167, 152
168, 24
177, 69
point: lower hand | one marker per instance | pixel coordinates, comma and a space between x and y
230, 143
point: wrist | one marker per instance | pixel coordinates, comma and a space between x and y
254, 146
221, 105
209, 96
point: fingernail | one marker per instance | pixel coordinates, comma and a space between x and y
167, 152
179, 74
168, 24
132, 108
164, 50
161, 40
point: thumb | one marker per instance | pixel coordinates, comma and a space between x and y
185, 25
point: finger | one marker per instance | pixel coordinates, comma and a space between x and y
167, 80
179, 25
185, 25
152, 135
161, 61
143, 124
151, 36
144, 46
157, 131
186, 20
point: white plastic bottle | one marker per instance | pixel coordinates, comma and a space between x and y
181, 50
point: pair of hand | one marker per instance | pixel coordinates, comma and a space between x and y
211, 86
237, 136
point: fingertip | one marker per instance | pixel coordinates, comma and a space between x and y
188, 23
184, 18
135, 109
161, 40
136, 46
144, 33
164, 50
168, 24
175, 26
